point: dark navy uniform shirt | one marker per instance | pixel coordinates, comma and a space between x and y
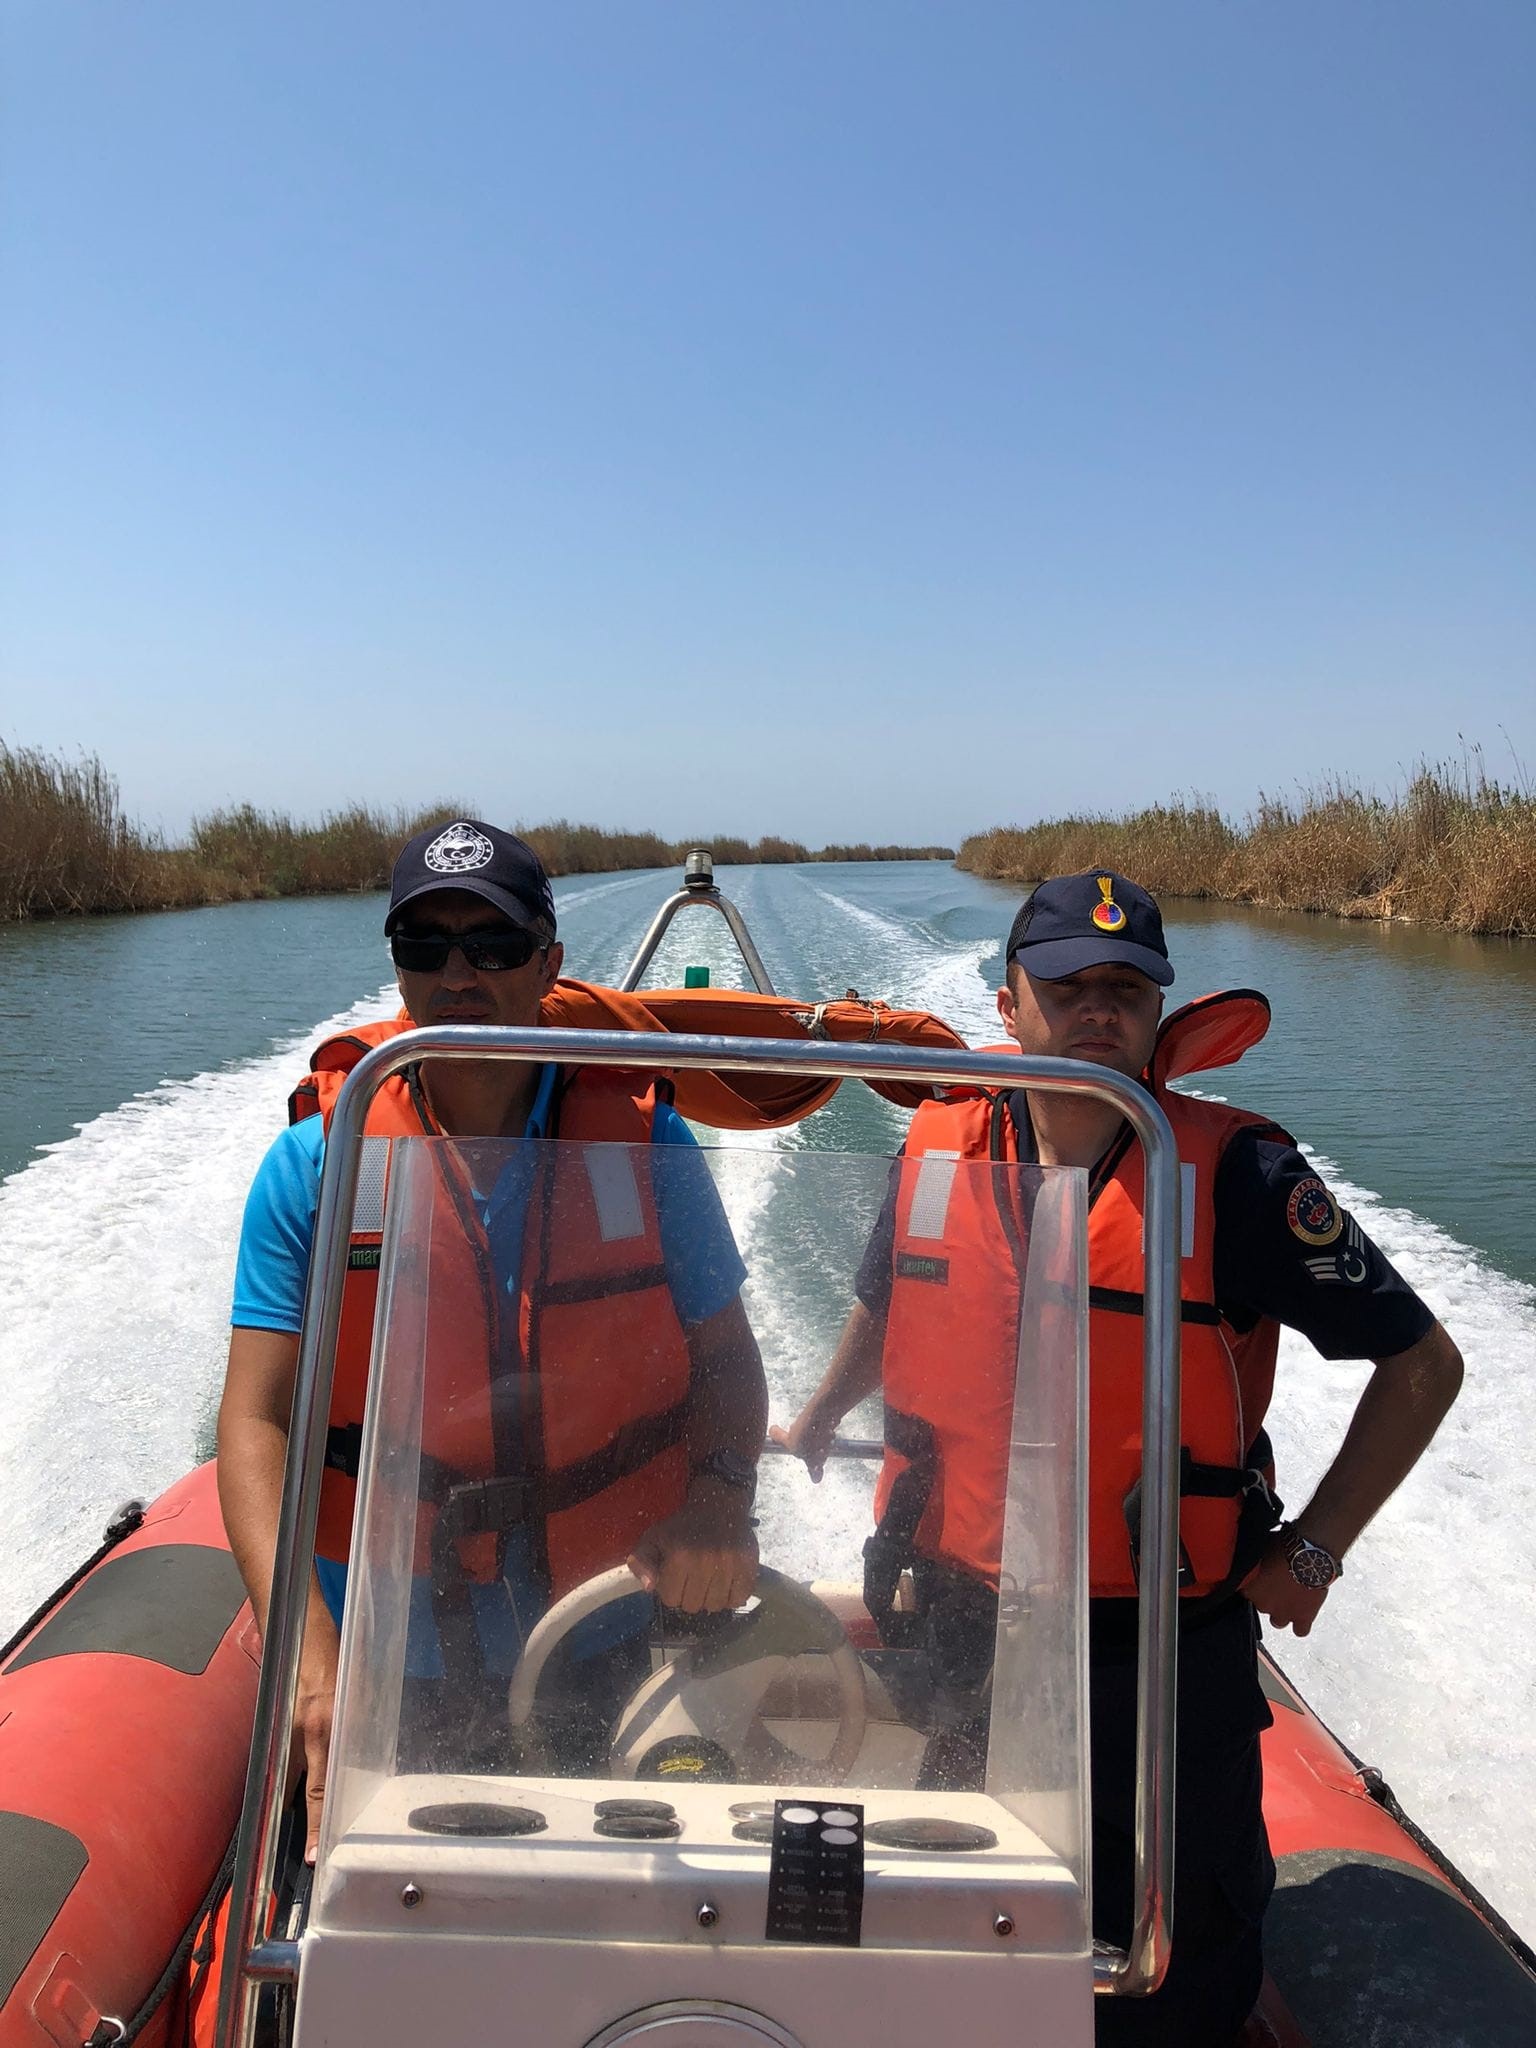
1284, 1248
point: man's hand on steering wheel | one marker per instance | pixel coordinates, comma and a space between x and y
703, 1558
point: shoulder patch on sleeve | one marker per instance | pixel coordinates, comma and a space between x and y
1312, 1213
1345, 1267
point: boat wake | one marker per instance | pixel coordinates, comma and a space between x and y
117, 1256
1421, 1661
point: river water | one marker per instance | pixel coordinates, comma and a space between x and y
145, 1062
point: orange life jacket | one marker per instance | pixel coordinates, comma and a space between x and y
956, 1290
535, 1413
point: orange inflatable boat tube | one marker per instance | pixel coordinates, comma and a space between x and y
125, 1722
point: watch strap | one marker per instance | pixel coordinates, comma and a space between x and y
730, 1468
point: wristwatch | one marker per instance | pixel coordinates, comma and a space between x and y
1310, 1564
730, 1468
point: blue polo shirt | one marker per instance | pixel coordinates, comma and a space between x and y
704, 1272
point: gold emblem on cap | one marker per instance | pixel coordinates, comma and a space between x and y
1108, 915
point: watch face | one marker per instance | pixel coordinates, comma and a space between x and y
1313, 1566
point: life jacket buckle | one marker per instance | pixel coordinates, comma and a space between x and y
485, 1507
344, 1448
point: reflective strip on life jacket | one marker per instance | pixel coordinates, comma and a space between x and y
372, 1174
615, 1195
930, 1197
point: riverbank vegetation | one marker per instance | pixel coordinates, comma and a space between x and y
1453, 848
67, 847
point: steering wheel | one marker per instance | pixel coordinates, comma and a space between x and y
736, 1660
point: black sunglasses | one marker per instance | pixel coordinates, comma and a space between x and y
490, 950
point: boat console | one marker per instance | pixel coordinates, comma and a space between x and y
591, 1808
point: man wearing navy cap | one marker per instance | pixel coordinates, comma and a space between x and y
1265, 1244
471, 927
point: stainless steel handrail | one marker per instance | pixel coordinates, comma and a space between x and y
1140, 1967
840, 1447
709, 899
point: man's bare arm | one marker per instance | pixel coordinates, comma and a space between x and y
253, 1447
704, 1557
1404, 1403
728, 1398
854, 1374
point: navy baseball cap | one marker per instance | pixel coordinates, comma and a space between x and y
1094, 920
486, 861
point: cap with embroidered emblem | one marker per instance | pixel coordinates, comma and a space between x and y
481, 859
1095, 919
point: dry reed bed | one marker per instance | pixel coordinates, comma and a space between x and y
1453, 849
67, 848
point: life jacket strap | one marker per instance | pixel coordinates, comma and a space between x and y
1121, 1301
481, 1507
632, 1280
1259, 1511
344, 1448
477, 1507
488, 1507
892, 1549
458, 1639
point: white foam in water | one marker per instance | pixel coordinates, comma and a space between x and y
928, 972
1421, 1660
566, 899
117, 1253
776, 1216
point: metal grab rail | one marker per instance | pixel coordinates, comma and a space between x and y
1140, 1967
699, 887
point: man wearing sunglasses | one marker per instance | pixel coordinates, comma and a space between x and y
636, 1311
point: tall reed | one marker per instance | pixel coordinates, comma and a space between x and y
67, 847
264, 853
1453, 847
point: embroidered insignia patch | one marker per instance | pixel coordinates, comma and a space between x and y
459, 851
1108, 915
1352, 1267
1347, 1266
1312, 1213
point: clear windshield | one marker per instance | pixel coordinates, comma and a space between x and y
575, 1346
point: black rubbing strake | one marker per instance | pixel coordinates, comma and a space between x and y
39, 1864
171, 1604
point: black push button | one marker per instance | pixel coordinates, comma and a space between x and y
477, 1817
636, 1827
638, 1809
930, 1833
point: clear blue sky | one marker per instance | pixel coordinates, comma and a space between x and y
849, 419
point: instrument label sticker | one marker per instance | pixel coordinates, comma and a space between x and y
816, 1876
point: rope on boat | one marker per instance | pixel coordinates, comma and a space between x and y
1381, 1792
